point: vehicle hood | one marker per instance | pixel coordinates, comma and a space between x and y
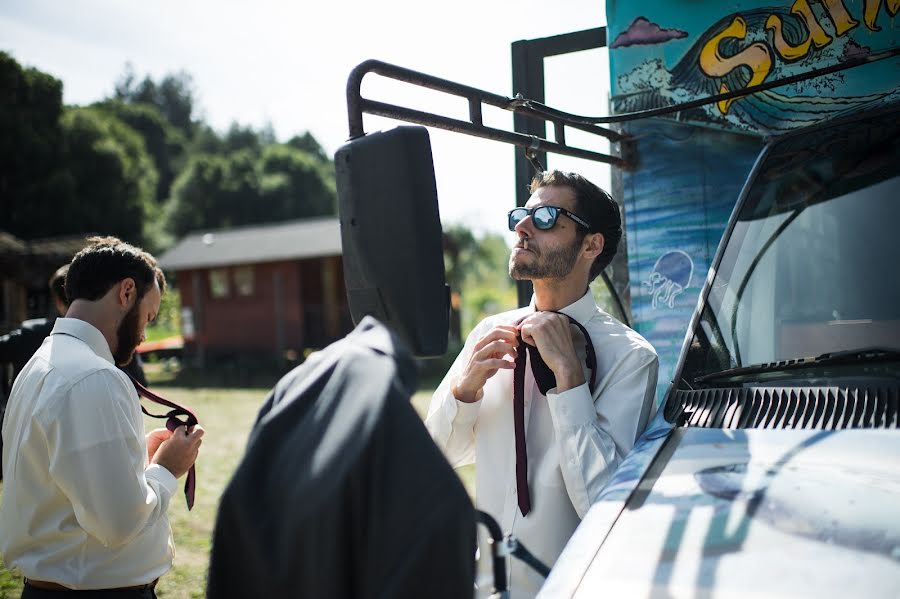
754, 513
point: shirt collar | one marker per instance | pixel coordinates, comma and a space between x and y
86, 332
581, 310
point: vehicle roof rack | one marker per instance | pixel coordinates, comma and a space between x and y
357, 105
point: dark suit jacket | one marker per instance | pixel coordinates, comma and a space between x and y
341, 492
17, 346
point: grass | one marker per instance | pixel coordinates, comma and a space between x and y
227, 415
157, 333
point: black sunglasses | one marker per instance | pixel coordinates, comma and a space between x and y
543, 217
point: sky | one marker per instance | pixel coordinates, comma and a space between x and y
286, 63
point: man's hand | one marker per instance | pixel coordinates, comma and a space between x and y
179, 452
488, 357
155, 439
551, 334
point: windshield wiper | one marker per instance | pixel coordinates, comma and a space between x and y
868, 354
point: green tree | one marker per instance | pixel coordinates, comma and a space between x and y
239, 201
30, 149
309, 144
165, 144
113, 177
173, 96
237, 138
462, 257
296, 184
196, 194
245, 187
240, 137
476, 270
72, 171
488, 286
205, 141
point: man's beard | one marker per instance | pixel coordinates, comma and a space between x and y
551, 264
128, 336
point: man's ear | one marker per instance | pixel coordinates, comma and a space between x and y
127, 292
593, 245
61, 306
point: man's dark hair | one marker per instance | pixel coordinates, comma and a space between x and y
106, 261
57, 284
593, 205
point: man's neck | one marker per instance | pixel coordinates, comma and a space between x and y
556, 294
96, 315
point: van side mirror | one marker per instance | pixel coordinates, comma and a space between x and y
392, 237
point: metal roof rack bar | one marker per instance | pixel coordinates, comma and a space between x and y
357, 105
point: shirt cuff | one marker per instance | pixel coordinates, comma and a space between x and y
162, 475
465, 414
572, 408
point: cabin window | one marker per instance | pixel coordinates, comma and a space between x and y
218, 283
244, 282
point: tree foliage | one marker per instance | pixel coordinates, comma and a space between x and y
196, 194
113, 178
173, 96
307, 143
140, 165
296, 184
165, 144
30, 147
67, 171
487, 286
244, 187
476, 271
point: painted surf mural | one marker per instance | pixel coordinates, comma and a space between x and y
669, 53
676, 206
691, 166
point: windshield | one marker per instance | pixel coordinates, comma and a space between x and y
812, 263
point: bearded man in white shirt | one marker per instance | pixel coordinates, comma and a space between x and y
86, 493
575, 435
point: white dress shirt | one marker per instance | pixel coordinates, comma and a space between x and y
575, 439
81, 507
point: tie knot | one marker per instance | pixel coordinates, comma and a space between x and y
543, 376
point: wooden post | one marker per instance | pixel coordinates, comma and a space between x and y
280, 325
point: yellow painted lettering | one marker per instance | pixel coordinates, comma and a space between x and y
842, 20
872, 7
757, 57
816, 33
782, 47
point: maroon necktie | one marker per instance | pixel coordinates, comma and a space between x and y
545, 380
172, 422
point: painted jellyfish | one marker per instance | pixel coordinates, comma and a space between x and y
670, 277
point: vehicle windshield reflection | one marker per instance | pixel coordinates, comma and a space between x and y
833, 198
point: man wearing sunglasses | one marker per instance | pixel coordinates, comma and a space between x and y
574, 435
86, 493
